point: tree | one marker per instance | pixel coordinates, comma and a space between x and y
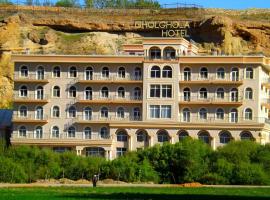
67, 3
5, 2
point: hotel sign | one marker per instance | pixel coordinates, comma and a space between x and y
176, 28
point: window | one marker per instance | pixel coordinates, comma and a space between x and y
55, 132
166, 111
246, 135
88, 93
95, 151
157, 111
39, 93
40, 73
56, 72
38, 132
105, 72
248, 94
121, 72
248, 114
138, 73
105, 92
141, 136
120, 151
155, 72
136, 114
234, 94
203, 93
224, 137
23, 91
162, 136
221, 73
204, 136
154, 111
137, 93
235, 74
56, 112
182, 135
121, 136
120, 112
234, 115
61, 149
24, 71
39, 113
56, 91
87, 113
169, 53
72, 92
71, 132
72, 72
155, 53
166, 91
187, 74
22, 131
220, 114
154, 90
87, 133
204, 73
186, 115
186, 94
23, 111
72, 112
104, 112
89, 73
167, 72
121, 92
220, 93
249, 73
203, 113
104, 132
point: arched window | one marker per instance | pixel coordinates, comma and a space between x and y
104, 113
155, 53
141, 136
23, 111
87, 113
235, 74
71, 112
87, 133
155, 72
169, 53
38, 132
167, 72
23, 91
121, 72
121, 136
71, 132
220, 114
136, 114
105, 72
72, 92
225, 137
248, 114
89, 73
105, 92
249, 73
204, 73
138, 73
221, 73
186, 94
88, 93
39, 93
162, 136
187, 74
121, 92
120, 112
203, 93
248, 93
104, 133
56, 91
182, 135
55, 132
24, 71
56, 72
40, 73
39, 113
56, 112
22, 131
246, 135
137, 93
203, 114
186, 115
220, 93
234, 94
234, 115
204, 136
73, 72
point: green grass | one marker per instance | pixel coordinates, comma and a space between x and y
136, 193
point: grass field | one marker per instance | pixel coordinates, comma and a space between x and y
135, 193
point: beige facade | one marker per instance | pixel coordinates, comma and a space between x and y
158, 91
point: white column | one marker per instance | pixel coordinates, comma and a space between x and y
213, 143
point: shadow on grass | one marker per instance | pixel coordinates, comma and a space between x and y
129, 196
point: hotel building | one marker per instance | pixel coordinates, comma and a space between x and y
159, 91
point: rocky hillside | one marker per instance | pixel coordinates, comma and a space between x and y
230, 32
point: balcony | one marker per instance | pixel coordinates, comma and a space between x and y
30, 118
82, 119
196, 100
211, 79
266, 103
97, 99
31, 78
98, 78
162, 59
266, 82
31, 98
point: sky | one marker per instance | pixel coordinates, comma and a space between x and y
228, 4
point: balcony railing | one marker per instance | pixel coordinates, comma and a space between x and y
167, 58
111, 78
109, 98
99, 118
31, 76
211, 78
31, 97
211, 99
30, 117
